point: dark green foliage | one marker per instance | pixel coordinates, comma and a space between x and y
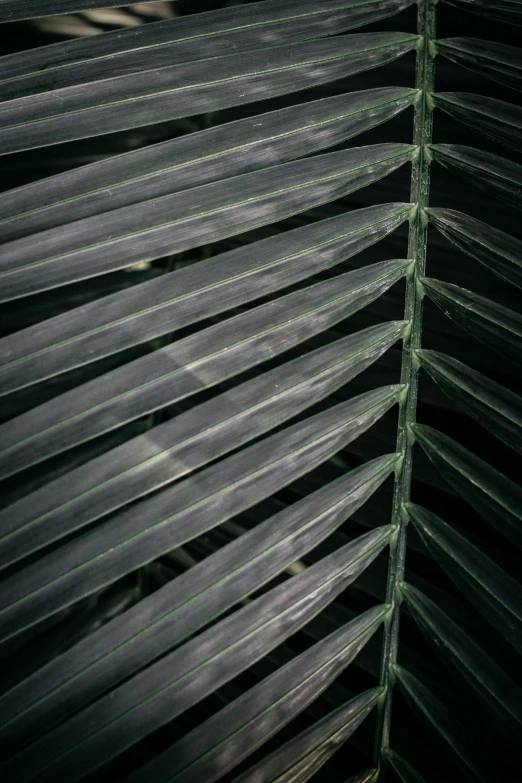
261, 430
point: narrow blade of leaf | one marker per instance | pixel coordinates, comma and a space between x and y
186, 89
181, 607
468, 753
216, 747
158, 227
499, 252
509, 11
15, 10
184, 677
450, 640
189, 366
494, 496
178, 447
368, 776
195, 159
28, 658
494, 593
493, 406
149, 529
493, 60
500, 120
404, 770
112, 323
301, 757
184, 39
488, 321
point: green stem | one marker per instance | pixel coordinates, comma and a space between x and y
420, 185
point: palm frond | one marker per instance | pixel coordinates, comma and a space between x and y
262, 427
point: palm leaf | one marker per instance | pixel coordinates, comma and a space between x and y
186, 604
172, 91
119, 719
206, 752
222, 545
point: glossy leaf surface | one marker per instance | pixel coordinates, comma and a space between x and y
479, 668
189, 366
509, 11
157, 227
499, 252
13, 10
300, 758
185, 676
495, 594
360, 11
498, 119
181, 607
492, 323
180, 40
174, 449
494, 496
222, 742
495, 61
139, 313
195, 159
443, 722
493, 406
143, 532
207, 490
404, 770
364, 777
173, 91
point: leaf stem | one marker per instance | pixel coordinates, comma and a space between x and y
420, 185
